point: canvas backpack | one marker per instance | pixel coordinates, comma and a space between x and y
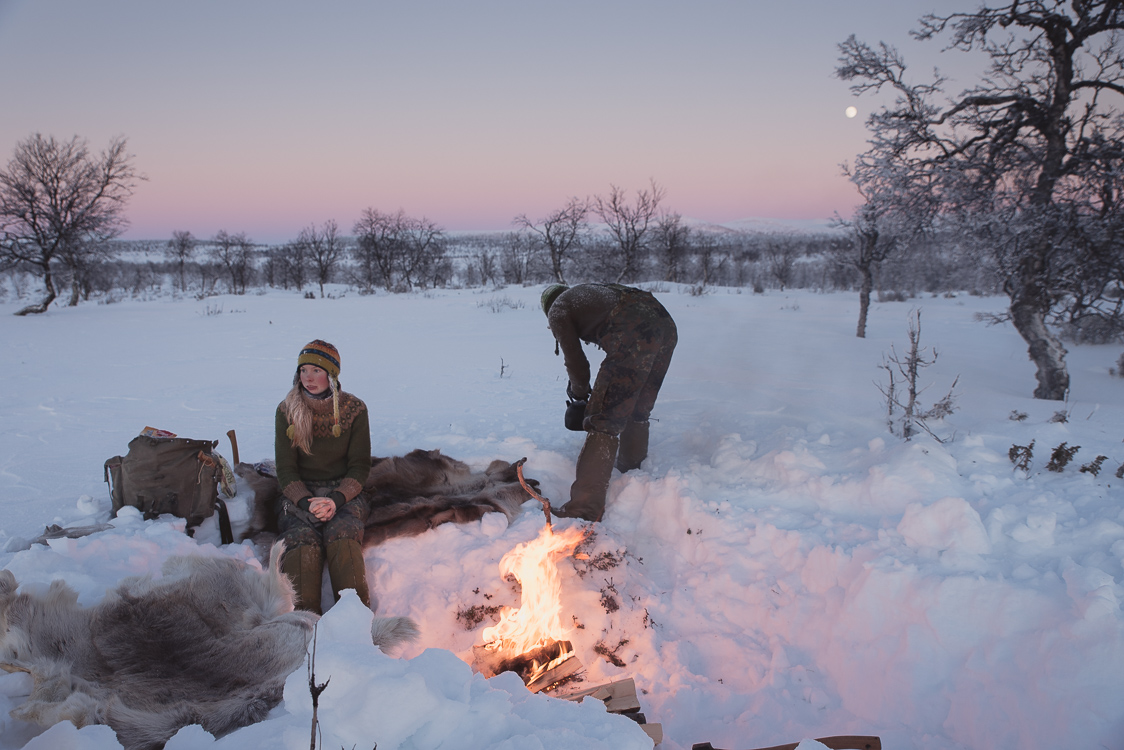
173, 475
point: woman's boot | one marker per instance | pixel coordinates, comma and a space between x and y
305, 569
347, 569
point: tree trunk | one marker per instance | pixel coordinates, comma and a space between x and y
864, 299
1045, 350
75, 290
1029, 305
556, 263
42, 306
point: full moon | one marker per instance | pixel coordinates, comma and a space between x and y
850, 111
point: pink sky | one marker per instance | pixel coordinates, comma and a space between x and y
263, 117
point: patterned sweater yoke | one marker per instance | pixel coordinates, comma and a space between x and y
323, 413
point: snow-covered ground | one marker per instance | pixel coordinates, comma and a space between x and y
781, 568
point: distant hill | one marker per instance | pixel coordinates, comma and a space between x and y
153, 248
751, 225
761, 225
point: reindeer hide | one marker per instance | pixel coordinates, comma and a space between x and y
210, 642
409, 494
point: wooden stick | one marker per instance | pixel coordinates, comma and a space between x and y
531, 492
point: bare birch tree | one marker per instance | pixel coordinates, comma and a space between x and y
629, 224
560, 232
287, 265
672, 244
59, 202
1011, 158
324, 248
423, 251
894, 212
780, 256
520, 256
179, 250
234, 252
380, 242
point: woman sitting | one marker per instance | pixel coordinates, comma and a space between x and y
322, 448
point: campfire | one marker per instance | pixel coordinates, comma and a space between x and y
531, 640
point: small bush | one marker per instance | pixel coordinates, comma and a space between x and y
1061, 456
1094, 466
499, 304
1060, 417
610, 654
1020, 456
606, 561
941, 409
1119, 369
474, 615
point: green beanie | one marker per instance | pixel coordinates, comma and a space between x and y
550, 294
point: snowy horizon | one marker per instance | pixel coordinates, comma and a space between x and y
750, 225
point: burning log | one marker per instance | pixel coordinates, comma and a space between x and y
490, 661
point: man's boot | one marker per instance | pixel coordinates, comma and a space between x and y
634, 446
595, 467
347, 570
305, 569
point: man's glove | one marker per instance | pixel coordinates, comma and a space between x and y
575, 414
573, 396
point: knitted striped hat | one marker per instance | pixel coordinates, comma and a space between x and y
323, 355
327, 358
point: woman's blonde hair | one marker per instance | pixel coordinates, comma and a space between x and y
300, 416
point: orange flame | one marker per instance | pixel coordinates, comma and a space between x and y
539, 619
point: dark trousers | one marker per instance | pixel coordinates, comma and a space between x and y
638, 341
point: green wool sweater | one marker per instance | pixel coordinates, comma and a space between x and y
346, 458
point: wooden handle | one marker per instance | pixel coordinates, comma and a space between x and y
233, 446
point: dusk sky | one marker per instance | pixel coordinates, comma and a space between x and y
265, 116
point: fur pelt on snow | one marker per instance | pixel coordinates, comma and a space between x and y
210, 642
408, 495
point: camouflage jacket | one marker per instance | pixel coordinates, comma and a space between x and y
584, 313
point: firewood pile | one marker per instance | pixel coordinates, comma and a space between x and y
551, 669
842, 742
